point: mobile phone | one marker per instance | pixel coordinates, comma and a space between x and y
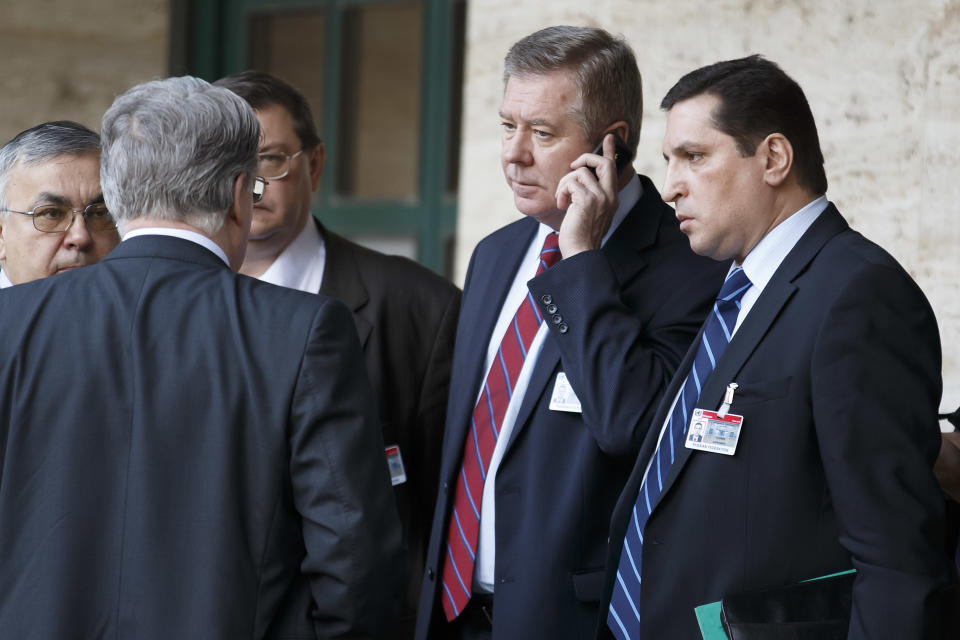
622, 154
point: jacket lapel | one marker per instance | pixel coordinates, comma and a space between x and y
488, 280
763, 314
343, 281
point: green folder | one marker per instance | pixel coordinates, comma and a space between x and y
708, 615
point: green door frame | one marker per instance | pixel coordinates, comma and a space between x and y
219, 47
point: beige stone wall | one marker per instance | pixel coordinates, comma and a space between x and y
66, 60
882, 78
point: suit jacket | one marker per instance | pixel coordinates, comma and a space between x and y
838, 367
185, 453
406, 318
561, 473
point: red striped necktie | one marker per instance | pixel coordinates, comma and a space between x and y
485, 427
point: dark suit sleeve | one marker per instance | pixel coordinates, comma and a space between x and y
619, 357
341, 485
875, 391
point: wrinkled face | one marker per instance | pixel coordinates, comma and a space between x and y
540, 140
722, 201
28, 254
285, 207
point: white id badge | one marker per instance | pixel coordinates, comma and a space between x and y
709, 431
395, 463
564, 398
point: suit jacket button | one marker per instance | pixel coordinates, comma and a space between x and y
551, 308
430, 573
557, 318
546, 299
562, 328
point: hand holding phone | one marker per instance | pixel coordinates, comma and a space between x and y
622, 154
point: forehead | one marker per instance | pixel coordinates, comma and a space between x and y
549, 96
71, 175
276, 124
691, 122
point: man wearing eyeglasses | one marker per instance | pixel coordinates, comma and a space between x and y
52, 214
186, 452
405, 314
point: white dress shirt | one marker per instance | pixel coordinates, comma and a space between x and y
300, 266
486, 543
760, 265
4, 280
183, 234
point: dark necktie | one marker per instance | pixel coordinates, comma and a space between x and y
623, 617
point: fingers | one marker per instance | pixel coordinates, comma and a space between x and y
580, 186
603, 167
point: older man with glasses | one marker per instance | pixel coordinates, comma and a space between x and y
405, 314
52, 214
186, 452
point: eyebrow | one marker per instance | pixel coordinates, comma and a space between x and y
46, 197
273, 147
537, 122
682, 148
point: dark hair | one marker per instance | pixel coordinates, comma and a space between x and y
261, 89
608, 79
756, 99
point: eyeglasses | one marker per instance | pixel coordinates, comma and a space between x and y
259, 186
52, 218
275, 166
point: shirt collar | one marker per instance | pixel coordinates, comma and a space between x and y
296, 267
765, 258
183, 234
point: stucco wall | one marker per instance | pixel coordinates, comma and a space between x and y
64, 59
882, 78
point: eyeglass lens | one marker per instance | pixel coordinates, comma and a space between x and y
273, 166
52, 218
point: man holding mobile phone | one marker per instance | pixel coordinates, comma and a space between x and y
573, 320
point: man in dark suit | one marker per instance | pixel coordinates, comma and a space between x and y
543, 418
405, 314
187, 453
829, 384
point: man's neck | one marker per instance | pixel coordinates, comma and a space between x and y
261, 254
256, 262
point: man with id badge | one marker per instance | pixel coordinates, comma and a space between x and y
564, 343
797, 438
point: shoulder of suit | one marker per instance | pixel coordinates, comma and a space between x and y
392, 270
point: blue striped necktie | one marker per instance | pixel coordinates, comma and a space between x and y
623, 617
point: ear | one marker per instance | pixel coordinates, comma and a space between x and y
778, 158
317, 157
236, 225
3, 238
620, 128
241, 209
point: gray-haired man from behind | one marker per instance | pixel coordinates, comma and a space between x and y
204, 463
52, 215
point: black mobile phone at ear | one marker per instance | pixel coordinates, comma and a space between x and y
622, 154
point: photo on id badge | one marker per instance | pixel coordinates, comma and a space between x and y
714, 432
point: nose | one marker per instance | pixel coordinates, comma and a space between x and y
78, 236
672, 184
516, 149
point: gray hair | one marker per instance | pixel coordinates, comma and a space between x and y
43, 143
608, 79
172, 150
